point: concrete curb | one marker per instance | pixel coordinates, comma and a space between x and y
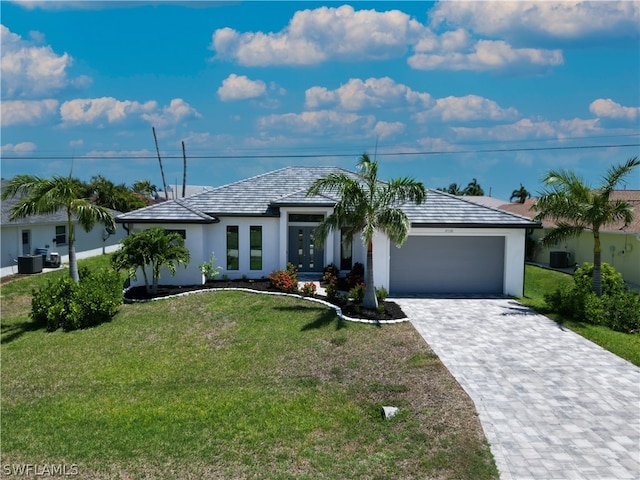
281, 294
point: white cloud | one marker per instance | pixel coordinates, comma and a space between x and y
322, 34
90, 110
239, 87
31, 71
547, 19
527, 129
177, 111
323, 122
15, 112
372, 93
388, 129
467, 108
607, 108
24, 147
488, 55
113, 111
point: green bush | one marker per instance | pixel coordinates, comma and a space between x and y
70, 306
357, 293
612, 281
623, 311
381, 294
618, 308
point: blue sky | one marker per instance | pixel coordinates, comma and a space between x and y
448, 91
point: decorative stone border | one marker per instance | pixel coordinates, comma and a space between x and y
281, 294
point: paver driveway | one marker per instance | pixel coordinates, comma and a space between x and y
552, 404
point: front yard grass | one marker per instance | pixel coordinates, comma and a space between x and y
539, 281
231, 385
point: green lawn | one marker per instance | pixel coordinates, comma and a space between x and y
539, 281
231, 385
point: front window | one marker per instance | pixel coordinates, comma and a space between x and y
233, 261
255, 241
61, 235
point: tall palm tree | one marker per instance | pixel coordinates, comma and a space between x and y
41, 196
473, 189
366, 205
574, 206
521, 194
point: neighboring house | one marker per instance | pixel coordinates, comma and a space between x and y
257, 225
24, 236
620, 244
176, 191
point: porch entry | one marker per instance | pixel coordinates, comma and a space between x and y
304, 251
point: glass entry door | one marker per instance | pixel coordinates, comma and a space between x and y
304, 251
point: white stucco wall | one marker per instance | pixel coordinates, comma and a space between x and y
88, 244
513, 255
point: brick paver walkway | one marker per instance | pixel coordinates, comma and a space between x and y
552, 404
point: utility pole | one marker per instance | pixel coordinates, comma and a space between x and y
164, 182
184, 171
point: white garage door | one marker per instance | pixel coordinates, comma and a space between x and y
434, 264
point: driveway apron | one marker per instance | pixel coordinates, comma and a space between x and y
552, 404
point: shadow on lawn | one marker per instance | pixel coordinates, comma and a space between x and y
324, 317
9, 333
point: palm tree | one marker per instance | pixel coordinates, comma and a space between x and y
454, 189
154, 247
366, 205
521, 194
574, 206
41, 196
473, 189
144, 187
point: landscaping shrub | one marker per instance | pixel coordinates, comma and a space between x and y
330, 277
381, 294
285, 280
618, 308
309, 289
70, 306
356, 276
357, 293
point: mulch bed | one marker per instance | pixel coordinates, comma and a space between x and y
392, 310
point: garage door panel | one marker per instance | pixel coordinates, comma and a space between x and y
440, 264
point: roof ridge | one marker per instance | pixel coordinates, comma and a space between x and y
193, 210
488, 207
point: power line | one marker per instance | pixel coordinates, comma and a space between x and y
317, 155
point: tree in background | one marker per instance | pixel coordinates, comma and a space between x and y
575, 206
473, 188
117, 197
366, 205
144, 187
521, 194
153, 247
42, 196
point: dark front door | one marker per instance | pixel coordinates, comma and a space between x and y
304, 252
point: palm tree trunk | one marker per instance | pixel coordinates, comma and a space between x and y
596, 281
370, 301
73, 262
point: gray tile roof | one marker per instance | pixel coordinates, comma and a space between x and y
58, 218
263, 195
444, 209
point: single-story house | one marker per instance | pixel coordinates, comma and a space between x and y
24, 236
255, 226
620, 243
